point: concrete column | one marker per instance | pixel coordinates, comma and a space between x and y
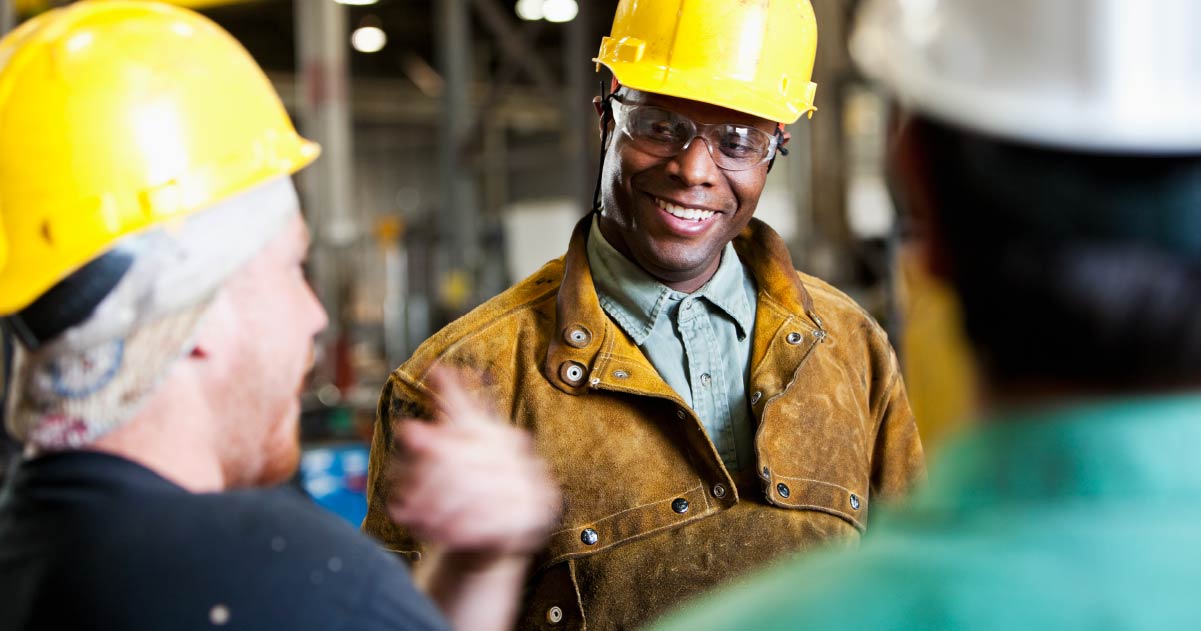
458, 214
579, 120
8, 16
323, 115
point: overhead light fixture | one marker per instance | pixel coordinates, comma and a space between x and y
560, 10
368, 39
530, 10
357, 3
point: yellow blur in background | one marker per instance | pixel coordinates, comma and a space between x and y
936, 358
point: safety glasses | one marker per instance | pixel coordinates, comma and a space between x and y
664, 133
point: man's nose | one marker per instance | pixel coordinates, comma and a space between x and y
694, 165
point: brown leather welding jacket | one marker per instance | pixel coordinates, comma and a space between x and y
652, 516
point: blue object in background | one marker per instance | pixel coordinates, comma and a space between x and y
335, 476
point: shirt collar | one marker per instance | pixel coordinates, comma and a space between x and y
1137, 447
635, 300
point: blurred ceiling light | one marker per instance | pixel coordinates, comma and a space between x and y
368, 39
530, 10
560, 10
357, 3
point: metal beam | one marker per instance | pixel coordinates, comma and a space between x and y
396, 101
833, 242
515, 47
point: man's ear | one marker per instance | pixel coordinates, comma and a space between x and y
785, 137
599, 105
909, 173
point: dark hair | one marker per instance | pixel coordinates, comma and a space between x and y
1073, 268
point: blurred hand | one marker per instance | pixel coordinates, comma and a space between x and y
470, 482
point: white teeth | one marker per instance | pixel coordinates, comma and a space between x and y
681, 212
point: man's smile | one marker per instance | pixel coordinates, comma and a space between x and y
684, 212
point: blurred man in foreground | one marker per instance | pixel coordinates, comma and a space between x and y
1051, 152
151, 251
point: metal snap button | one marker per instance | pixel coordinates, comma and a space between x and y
819, 335
680, 506
782, 489
854, 501
680, 414
577, 336
621, 374
755, 397
554, 615
766, 472
589, 537
719, 490
706, 379
572, 372
793, 338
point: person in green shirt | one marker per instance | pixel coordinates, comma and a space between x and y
1050, 154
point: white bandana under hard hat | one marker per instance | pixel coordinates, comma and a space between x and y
97, 374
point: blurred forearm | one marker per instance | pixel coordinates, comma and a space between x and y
475, 591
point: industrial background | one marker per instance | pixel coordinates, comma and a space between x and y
459, 148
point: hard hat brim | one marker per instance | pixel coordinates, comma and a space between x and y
697, 85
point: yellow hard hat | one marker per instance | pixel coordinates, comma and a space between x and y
753, 56
116, 116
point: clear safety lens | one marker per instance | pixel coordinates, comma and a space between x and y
664, 133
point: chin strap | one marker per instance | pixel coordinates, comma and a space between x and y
781, 150
606, 119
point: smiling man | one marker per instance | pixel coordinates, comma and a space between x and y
705, 407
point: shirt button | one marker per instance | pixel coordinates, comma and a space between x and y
554, 615
687, 305
680, 506
680, 414
572, 373
589, 537
577, 336
706, 380
782, 489
719, 490
854, 501
793, 338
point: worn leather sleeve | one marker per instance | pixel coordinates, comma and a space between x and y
398, 401
898, 461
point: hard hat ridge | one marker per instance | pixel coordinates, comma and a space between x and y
752, 56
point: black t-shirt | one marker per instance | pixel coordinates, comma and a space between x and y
92, 541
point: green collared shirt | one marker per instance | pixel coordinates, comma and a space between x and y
700, 343
1075, 517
